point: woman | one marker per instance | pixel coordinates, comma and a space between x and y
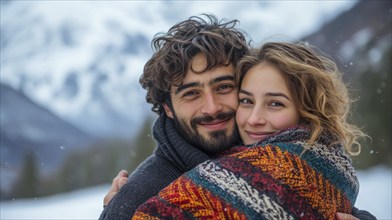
293, 121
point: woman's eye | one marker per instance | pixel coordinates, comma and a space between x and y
276, 104
245, 101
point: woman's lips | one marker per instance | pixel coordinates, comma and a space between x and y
258, 136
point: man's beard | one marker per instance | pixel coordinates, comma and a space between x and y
217, 141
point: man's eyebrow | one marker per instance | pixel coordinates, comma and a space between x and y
222, 78
185, 86
194, 84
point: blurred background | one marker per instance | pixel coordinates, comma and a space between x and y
73, 113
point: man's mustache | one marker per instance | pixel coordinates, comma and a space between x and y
208, 118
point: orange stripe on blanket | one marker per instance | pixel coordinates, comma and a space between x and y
143, 216
198, 201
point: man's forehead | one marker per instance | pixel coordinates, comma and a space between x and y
198, 63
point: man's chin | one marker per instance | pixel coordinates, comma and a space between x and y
219, 149
217, 141
211, 135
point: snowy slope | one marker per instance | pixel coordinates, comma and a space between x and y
374, 196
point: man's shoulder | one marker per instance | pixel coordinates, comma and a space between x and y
155, 167
152, 175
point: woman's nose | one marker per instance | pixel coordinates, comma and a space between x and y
257, 117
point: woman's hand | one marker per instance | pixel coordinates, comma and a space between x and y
118, 182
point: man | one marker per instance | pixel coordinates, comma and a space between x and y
190, 81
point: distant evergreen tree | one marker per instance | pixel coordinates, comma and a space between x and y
373, 112
27, 185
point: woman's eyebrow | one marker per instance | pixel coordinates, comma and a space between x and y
267, 94
277, 94
245, 92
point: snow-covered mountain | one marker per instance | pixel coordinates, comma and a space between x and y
81, 67
37, 129
82, 59
359, 38
28, 129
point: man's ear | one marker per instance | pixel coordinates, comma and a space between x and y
168, 111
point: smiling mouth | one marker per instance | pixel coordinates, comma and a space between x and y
259, 135
215, 124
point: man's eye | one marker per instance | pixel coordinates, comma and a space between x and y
189, 94
225, 88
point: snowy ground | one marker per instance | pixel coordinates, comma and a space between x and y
374, 195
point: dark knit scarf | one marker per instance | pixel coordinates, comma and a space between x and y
275, 179
174, 147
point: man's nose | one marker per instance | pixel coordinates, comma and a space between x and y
211, 104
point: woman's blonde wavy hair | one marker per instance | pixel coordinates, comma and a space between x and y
317, 88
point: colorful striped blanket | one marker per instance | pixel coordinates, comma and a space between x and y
270, 180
